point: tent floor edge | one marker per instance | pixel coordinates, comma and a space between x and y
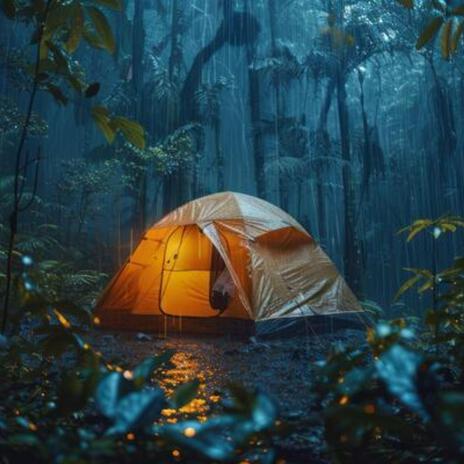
173, 326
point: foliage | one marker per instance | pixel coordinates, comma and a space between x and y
446, 23
79, 188
400, 396
11, 120
178, 151
62, 26
75, 404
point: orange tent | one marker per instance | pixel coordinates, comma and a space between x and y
277, 270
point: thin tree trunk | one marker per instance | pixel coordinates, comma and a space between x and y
219, 156
255, 116
352, 252
14, 216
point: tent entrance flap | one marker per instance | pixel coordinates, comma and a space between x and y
187, 274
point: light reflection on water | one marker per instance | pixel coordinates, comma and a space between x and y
186, 368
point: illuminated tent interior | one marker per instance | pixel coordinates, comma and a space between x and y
277, 271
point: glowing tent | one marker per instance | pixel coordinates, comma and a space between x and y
278, 271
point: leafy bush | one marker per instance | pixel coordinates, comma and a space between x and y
400, 397
63, 402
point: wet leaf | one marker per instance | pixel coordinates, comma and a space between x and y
429, 32
137, 410
57, 94
397, 367
445, 44
407, 285
205, 438
103, 120
184, 394
109, 392
131, 130
145, 369
103, 29
75, 33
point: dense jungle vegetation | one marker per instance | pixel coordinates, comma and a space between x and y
344, 113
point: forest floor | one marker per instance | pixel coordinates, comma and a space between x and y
282, 368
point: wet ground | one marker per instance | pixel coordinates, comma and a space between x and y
282, 368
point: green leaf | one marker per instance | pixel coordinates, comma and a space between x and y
407, 285
445, 42
103, 29
145, 369
58, 16
57, 94
131, 130
101, 116
429, 32
456, 37
205, 437
92, 39
184, 394
75, 33
113, 4
398, 368
137, 410
109, 392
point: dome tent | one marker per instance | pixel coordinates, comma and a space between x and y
279, 272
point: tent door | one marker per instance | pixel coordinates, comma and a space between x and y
187, 274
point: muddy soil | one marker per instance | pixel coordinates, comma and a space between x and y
282, 368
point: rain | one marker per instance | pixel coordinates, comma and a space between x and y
231, 230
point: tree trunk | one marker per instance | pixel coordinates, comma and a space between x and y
323, 141
352, 252
138, 45
255, 116
219, 155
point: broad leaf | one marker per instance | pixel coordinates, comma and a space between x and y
103, 28
445, 45
75, 33
102, 118
109, 392
145, 369
137, 411
429, 32
407, 285
202, 437
57, 94
131, 130
457, 37
398, 368
184, 394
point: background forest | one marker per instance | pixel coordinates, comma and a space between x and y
324, 108
344, 113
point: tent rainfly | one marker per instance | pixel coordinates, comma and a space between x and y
221, 263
